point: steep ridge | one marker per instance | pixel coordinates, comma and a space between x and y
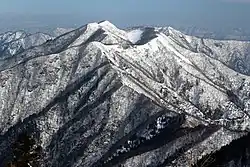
101, 96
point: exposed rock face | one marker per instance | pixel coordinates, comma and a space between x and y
92, 97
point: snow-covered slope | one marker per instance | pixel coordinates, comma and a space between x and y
61, 31
134, 35
102, 96
12, 43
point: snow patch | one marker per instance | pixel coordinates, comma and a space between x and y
189, 39
134, 35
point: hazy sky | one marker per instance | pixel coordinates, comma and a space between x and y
201, 13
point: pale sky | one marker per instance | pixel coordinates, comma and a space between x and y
202, 13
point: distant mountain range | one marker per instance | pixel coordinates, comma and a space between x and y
224, 34
50, 22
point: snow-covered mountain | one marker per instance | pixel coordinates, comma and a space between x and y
102, 96
60, 31
12, 43
223, 34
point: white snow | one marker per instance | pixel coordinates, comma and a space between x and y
59, 31
134, 35
91, 29
188, 38
112, 29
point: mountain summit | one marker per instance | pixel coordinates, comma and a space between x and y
99, 96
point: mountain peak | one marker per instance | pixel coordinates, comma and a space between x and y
106, 22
